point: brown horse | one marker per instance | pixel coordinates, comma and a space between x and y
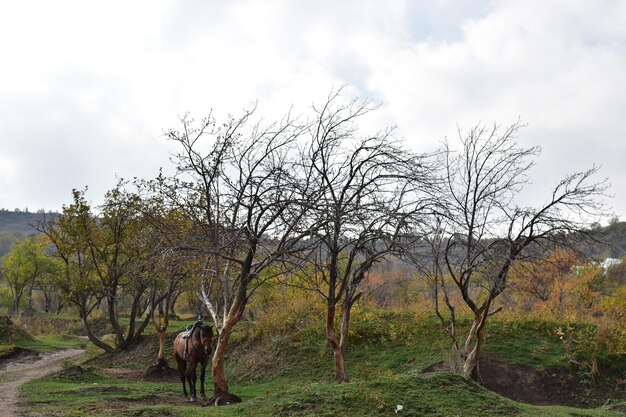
193, 347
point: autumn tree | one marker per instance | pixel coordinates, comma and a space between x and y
78, 283
548, 280
485, 231
539, 279
104, 258
170, 269
51, 299
23, 266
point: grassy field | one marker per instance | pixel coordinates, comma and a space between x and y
283, 368
439, 394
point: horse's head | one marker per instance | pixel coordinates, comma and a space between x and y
206, 337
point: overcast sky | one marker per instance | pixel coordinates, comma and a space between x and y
87, 88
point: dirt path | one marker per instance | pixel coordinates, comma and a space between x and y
18, 372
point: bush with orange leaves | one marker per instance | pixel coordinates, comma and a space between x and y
558, 287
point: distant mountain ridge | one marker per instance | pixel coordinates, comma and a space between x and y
18, 225
615, 237
21, 222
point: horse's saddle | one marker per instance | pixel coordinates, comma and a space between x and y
187, 336
188, 331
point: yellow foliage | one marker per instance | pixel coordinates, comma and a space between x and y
613, 322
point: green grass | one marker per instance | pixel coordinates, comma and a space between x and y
285, 369
11, 335
440, 394
45, 344
533, 343
53, 342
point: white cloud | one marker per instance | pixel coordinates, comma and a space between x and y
92, 85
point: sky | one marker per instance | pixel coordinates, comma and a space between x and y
88, 88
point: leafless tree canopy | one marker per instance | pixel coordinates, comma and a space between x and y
319, 197
483, 230
369, 191
246, 194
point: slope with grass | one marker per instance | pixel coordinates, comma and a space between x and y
15, 339
283, 367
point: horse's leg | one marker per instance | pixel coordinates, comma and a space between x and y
182, 372
195, 379
191, 381
202, 375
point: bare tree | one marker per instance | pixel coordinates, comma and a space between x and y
484, 231
369, 189
246, 195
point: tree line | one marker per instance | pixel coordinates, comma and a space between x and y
310, 202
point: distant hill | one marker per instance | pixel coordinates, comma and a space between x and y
18, 226
21, 222
614, 237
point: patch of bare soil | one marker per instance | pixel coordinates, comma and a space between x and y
18, 357
523, 383
529, 385
24, 368
117, 404
162, 372
166, 375
156, 400
124, 373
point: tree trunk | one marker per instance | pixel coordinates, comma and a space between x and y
102, 345
345, 327
217, 363
471, 335
172, 304
30, 297
117, 329
470, 366
161, 356
161, 328
130, 334
47, 301
142, 326
339, 366
15, 308
473, 344
220, 386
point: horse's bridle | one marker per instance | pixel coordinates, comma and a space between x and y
209, 345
